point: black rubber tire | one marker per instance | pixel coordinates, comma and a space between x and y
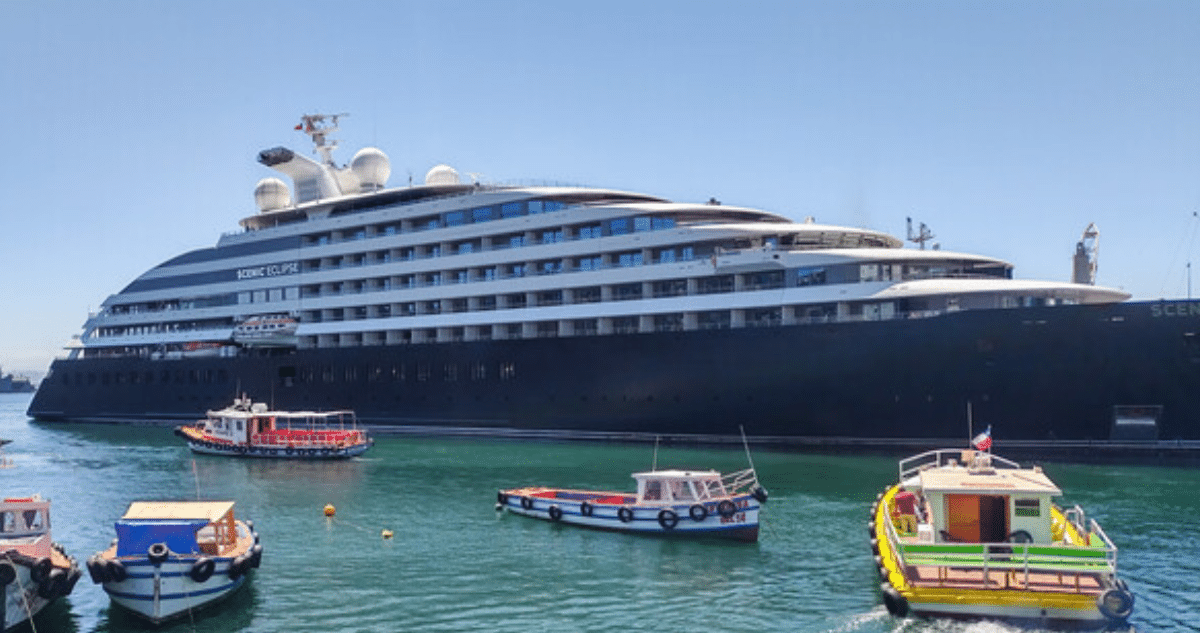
501, 498
555, 513
668, 519
625, 514
8, 573
896, 604
53, 585
698, 512
1116, 604
527, 503
157, 553
96, 569
202, 569
1020, 536
256, 555
726, 508
40, 570
760, 494
237, 567
116, 571
586, 509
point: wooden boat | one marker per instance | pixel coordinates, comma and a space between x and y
34, 570
173, 557
966, 533
250, 429
694, 503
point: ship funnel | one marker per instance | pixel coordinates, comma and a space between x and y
313, 181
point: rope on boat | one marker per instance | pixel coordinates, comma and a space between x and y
25, 603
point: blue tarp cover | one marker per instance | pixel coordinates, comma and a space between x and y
135, 537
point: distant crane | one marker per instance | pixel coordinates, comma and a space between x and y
1086, 259
923, 234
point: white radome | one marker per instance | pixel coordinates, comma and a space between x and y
371, 167
271, 194
442, 175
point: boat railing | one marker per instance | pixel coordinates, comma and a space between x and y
1023, 558
742, 480
947, 456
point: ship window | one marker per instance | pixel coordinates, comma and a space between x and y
666, 256
456, 218
514, 209
508, 371
398, 373
687, 253
627, 260
422, 372
239, 426
484, 214
551, 206
625, 292
641, 224
663, 223
478, 371
810, 276
620, 226
450, 373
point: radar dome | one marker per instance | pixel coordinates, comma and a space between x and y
442, 175
372, 168
271, 194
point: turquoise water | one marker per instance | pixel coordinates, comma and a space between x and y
455, 565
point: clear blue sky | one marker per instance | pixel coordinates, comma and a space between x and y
131, 128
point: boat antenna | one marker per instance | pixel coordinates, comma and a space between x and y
970, 425
654, 464
746, 445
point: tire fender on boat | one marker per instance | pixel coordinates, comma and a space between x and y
256, 555
115, 571
53, 585
8, 573
585, 509
896, 604
760, 494
668, 519
625, 514
698, 512
501, 498
96, 569
40, 570
237, 567
73, 577
157, 553
726, 508
202, 569
527, 503
555, 513
1116, 603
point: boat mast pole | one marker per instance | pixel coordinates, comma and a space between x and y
654, 462
970, 426
746, 445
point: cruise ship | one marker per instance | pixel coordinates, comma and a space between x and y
462, 307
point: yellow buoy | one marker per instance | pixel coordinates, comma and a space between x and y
329, 510
386, 534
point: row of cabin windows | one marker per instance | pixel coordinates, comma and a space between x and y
162, 377
616, 226
397, 372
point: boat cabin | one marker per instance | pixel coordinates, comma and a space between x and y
972, 501
187, 527
25, 525
679, 486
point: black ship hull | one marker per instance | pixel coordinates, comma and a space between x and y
1042, 375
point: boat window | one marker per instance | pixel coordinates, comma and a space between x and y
484, 214
8, 522
682, 491
239, 425
1027, 507
33, 519
619, 226
653, 491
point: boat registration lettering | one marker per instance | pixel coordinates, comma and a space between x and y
739, 517
270, 270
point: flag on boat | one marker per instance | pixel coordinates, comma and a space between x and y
983, 441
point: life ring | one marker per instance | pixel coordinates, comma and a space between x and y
202, 569
157, 553
53, 585
7, 573
1116, 604
760, 494
896, 604
698, 512
115, 570
625, 514
555, 513
96, 569
40, 570
668, 519
726, 508
501, 498
527, 503
585, 509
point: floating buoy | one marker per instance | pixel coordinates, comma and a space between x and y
329, 510
386, 534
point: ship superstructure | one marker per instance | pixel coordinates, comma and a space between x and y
463, 283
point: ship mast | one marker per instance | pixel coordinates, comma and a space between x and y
1086, 256
315, 125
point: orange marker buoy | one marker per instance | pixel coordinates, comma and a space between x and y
329, 510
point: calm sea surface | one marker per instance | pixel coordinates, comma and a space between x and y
455, 565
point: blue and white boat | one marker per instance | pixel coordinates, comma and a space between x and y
691, 503
173, 557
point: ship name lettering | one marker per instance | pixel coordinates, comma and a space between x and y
270, 270
1191, 308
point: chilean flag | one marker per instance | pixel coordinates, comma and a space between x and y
983, 441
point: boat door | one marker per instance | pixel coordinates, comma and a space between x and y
977, 518
993, 518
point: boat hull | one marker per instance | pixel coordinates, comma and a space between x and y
603, 512
1046, 376
279, 452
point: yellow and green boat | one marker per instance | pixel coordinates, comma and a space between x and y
968, 534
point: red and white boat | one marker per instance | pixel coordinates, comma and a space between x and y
34, 570
693, 503
251, 429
